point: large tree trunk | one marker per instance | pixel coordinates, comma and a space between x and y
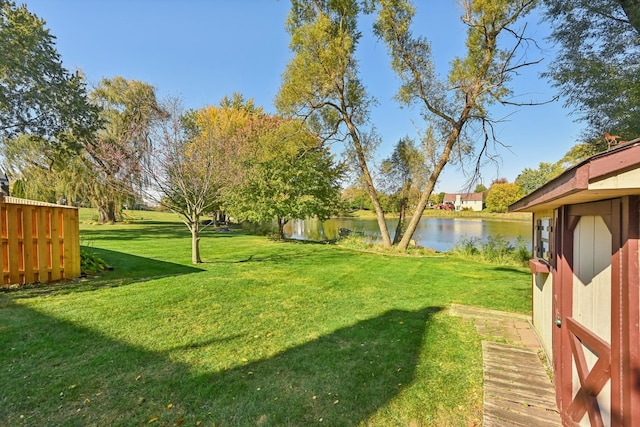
401, 221
368, 181
281, 223
107, 212
433, 178
195, 241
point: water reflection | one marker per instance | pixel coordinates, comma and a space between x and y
438, 233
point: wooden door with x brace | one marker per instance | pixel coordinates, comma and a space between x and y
592, 306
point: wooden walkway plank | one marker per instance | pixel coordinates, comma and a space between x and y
517, 389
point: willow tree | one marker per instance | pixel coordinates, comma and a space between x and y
49, 171
321, 82
118, 150
598, 64
475, 81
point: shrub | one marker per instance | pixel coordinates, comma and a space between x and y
90, 263
496, 250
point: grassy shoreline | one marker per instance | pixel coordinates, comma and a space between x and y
263, 333
90, 215
436, 213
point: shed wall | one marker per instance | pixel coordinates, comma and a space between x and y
542, 299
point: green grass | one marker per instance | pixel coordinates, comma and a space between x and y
263, 333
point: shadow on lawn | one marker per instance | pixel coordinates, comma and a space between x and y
127, 269
158, 230
63, 374
516, 270
139, 268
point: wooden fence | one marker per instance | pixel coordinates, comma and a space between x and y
40, 241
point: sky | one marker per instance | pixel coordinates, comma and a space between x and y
202, 50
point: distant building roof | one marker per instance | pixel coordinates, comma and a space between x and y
464, 197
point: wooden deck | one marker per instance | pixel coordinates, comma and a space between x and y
517, 389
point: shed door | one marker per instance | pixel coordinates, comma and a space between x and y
583, 358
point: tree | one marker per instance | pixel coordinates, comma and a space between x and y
48, 171
119, 149
480, 188
287, 175
501, 195
531, 179
475, 81
321, 83
598, 62
195, 157
356, 198
44, 110
403, 173
37, 94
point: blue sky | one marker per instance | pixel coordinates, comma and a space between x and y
202, 50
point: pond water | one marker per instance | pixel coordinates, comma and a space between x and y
441, 234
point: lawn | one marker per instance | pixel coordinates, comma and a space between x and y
263, 333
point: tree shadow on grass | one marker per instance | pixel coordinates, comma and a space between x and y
65, 374
156, 231
138, 268
127, 269
516, 270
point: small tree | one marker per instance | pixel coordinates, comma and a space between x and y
287, 174
193, 159
403, 173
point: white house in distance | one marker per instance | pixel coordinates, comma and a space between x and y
472, 201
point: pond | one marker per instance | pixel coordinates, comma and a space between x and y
441, 234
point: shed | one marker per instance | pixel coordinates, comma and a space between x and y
40, 241
586, 299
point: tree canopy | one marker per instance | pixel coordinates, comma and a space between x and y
321, 82
37, 94
501, 195
598, 63
476, 81
287, 174
531, 179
